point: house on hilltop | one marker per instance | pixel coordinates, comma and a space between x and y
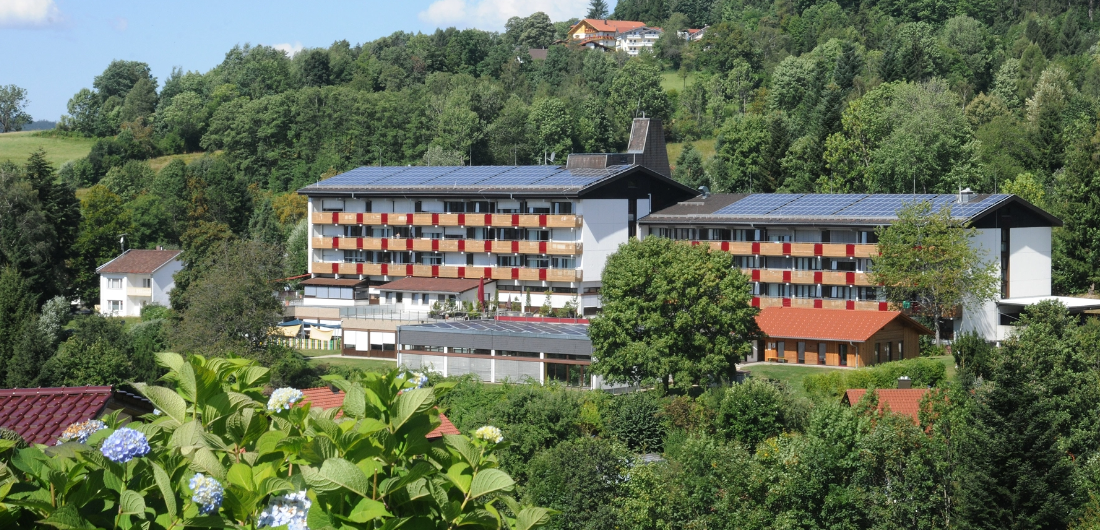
135, 279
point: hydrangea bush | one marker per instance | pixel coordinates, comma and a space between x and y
221, 454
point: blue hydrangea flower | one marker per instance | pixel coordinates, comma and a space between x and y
418, 378
283, 398
123, 445
207, 493
289, 510
79, 432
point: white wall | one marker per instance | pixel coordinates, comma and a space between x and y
984, 319
1029, 262
605, 228
164, 281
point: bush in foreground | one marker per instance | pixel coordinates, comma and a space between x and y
218, 454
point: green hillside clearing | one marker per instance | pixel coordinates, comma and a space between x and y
18, 146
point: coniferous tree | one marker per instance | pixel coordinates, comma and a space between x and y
597, 9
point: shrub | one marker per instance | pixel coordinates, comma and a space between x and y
581, 478
217, 433
154, 312
832, 384
635, 420
751, 412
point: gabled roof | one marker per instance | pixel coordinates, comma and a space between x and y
326, 398
138, 261
40, 415
898, 400
481, 181
856, 209
432, 285
829, 324
615, 26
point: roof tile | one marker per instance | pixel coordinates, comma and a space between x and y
904, 401
39, 415
828, 324
138, 261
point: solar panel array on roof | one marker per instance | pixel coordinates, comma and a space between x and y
469, 176
849, 206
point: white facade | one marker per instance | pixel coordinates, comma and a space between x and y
124, 294
635, 41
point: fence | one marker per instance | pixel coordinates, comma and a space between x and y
335, 344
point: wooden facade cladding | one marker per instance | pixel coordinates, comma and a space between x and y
860, 354
558, 248
797, 250
449, 219
808, 277
446, 271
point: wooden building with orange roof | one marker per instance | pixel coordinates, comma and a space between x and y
327, 397
836, 337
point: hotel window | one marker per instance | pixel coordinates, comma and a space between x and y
807, 264
775, 262
384, 233
431, 258
402, 232
508, 261
538, 235
779, 237
355, 256
746, 235
747, 262
664, 232
538, 208
805, 291
561, 208
714, 234
353, 231
507, 234
454, 207
480, 207
147, 283
683, 234
842, 265
431, 234
114, 283
563, 263
332, 205
538, 262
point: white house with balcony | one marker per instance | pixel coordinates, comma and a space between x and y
635, 40
135, 279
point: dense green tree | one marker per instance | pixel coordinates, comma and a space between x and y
637, 91
315, 67
28, 238
263, 226
671, 309
597, 9
928, 258
551, 127
538, 32
689, 168
582, 479
140, 102
13, 105
17, 311
297, 246
103, 222
185, 116
229, 304
635, 421
128, 180
120, 77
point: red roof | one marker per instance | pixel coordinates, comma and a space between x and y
326, 398
899, 400
40, 415
615, 26
829, 324
138, 261
431, 285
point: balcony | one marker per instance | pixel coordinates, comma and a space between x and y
557, 248
796, 250
805, 277
139, 292
446, 271
820, 303
449, 219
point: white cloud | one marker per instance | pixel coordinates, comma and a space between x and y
14, 13
120, 23
289, 49
492, 14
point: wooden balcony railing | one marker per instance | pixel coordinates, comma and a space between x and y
820, 303
796, 250
861, 279
557, 248
446, 271
503, 220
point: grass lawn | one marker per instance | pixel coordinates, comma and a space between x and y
367, 365
671, 80
792, 374
18, 146
705, 148
159, 162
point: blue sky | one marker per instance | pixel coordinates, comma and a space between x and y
53, 48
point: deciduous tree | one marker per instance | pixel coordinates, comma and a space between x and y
671, 309
13, 105
931, 260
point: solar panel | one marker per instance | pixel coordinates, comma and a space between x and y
971, 209
816, 205
758, 204
882, 206
497, 326
360, 176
